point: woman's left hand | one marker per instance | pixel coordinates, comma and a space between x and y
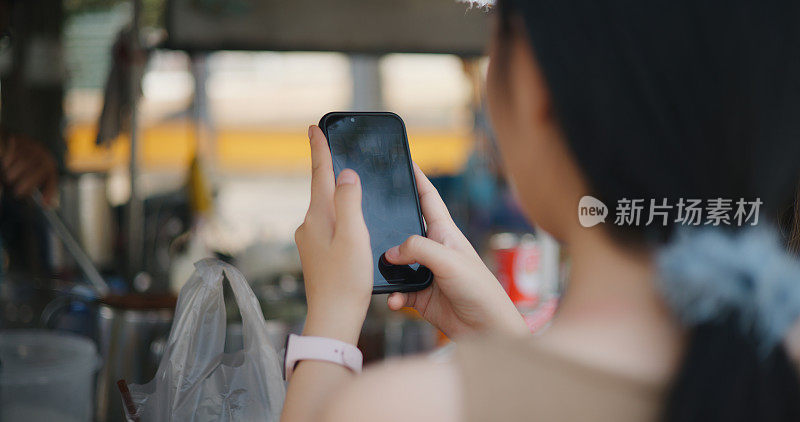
334, 249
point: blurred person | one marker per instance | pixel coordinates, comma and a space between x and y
667, 100
27, 165
31, 119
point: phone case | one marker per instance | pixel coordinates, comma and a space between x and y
399, 287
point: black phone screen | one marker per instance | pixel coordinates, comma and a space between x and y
376, 147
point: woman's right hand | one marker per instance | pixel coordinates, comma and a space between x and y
464, 297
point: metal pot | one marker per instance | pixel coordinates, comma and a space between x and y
128, 328
86, 211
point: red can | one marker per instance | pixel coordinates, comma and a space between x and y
517, 262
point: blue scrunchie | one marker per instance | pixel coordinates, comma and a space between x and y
706, 273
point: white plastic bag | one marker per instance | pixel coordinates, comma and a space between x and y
195, 380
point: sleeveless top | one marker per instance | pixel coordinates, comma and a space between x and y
509, 380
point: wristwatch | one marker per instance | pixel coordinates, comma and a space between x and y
320, 348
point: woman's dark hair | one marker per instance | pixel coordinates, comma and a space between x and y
789, 221
688, 99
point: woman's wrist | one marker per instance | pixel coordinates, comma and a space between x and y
514, 324
344, 326
507, 318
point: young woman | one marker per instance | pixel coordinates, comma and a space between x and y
665, 101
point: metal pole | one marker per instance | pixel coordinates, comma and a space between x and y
205, 140
135, 212
367, 89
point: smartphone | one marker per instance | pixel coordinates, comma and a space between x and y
375, 145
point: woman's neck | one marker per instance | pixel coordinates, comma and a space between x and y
611, 314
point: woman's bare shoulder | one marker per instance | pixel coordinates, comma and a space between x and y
418, 389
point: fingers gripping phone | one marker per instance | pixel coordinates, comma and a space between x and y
375, 145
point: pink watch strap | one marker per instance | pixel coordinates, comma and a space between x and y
320, 348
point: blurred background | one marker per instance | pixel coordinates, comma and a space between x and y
178, 128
